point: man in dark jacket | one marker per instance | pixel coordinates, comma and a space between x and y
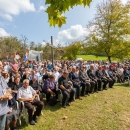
83, 76
74, 78
102, 77
91, 74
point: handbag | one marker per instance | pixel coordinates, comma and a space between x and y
53, 101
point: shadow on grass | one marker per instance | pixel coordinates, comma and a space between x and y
23, 124
52, 108
122, 84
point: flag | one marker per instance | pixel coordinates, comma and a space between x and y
6, 59
25, 56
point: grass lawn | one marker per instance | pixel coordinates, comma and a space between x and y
106, 110
91, 57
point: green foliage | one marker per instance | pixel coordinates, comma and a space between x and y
9, 46
57, 8
72, 50
110, 29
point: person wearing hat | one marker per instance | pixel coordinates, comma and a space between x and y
66, 88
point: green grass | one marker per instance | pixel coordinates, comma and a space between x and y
106, 110
91, 57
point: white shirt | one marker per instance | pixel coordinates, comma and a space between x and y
120, 70
25, 92
107, 73
56, 74
6, 68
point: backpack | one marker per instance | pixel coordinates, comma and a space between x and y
53, 101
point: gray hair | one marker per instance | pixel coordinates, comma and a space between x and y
26, 80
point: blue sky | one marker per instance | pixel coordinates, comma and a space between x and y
28, 18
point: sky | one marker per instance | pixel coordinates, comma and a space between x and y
28, 18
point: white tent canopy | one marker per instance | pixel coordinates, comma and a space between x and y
35, 54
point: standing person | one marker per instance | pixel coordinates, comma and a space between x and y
4, 97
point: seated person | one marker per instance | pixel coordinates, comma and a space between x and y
92, 76
112, 76
66, 89
12, 115
74, 78
126, 73
106, 74
101, 76
6, 76
50, 87
15, 86
83, 76
34, 84
28, 95
25, 75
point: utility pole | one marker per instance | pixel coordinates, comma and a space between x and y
52, 52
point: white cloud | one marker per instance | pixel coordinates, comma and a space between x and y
3, 33
75, 32
14, 7
41, 8
6, 16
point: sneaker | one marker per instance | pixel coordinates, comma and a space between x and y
58, 100
64, 106
15, 128
36, 120
80, 98
32, 122
69, 103
88, 94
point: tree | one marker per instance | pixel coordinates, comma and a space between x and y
109, 30
71, 51
10, 46
57, 8
32, 45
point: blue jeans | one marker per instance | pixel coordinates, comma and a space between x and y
66, 94
2, 122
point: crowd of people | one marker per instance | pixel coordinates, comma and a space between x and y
24, 80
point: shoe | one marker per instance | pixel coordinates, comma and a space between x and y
58, 100
36, 120
15, 128
83, 95
64, 106
80, 98
88, 94
69, 103
32, 122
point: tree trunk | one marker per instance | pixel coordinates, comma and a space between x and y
109, 59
